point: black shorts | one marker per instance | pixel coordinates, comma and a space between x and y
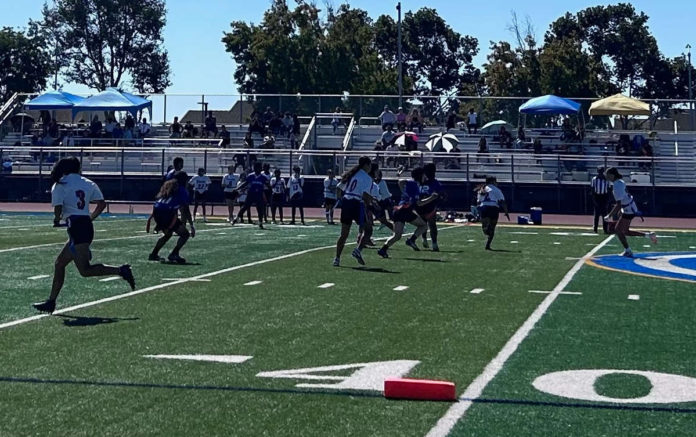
352, 210
257, 199
166, 220
80, 229
329, 202
489, 212
230, 195
404, 214
628, 217
200, 197
277, 199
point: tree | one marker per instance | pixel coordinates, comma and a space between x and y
108, 42
24, 63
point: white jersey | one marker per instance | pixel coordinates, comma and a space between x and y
242, 193
74, 193
229, 182
330, 188
491, 196
295, 186
278, 185
384, 192
200, 183
357, 185
628, 205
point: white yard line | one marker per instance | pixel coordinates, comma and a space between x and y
477, 290
475, 389
633, 297
110, 278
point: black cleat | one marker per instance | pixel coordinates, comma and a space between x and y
127, 274
153, 257
45, 307
176, 259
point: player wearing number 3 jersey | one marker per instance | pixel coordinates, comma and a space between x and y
70, 197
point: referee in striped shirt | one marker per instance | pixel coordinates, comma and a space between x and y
600, 197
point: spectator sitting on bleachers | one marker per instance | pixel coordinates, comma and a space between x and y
646, 151
623, 145
388, 136
144, 128
521, 135
505, 137
129, 125
109, 127
95, 127
224, 137
275, 125
401, 119
452, 162
268, 142
414, 120
390, 151
267, 117
118, 131
256, 125
387, 118
188, 129
379, 155
210, 126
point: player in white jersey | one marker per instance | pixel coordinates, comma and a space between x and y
355, 186
242, 197
229, 187
330, 198
296, 194
200, 184
490, 201
627, 205
70, 197
278, 190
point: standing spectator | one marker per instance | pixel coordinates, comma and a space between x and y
224, 137
256, 125
414, 120
387, 118
336, 119
401, 119
45, 120
472, 121
275, 125
267, 117
175, 128
296, 127
210, 125
451, 120
287, 124
95, 127
129, 125
599, 187
144, 128
109, 127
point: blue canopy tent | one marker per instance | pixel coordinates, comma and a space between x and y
550, 105
112, 99
53, 100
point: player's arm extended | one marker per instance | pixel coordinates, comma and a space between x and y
427, 200
101, 205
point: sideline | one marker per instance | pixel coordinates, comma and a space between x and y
475, 389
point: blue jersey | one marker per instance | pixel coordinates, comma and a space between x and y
179, 199
431, 187
256, 183
410, 195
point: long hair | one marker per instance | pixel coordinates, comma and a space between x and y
347, 176
168, 189
63, 167
613, 171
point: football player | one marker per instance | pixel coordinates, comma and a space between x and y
200, 184
172, 199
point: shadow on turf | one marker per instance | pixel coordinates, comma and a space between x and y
504, 251
91, 321
426, 260
375, 270
169, 263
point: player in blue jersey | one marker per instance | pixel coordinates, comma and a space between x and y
172, 199
70, 197
405, 211
355, 187
429, 212
177, 165
255, 184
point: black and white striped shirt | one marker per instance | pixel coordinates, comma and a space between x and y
599, 185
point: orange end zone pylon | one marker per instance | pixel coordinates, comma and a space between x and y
419, 389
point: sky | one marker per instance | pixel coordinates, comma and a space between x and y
200, 64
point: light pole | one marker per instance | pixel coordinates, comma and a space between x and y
691, 89
398, 45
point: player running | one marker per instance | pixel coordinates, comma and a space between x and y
429, 211
405, 212
70, 197
490, 201
296, 194
200, 184
278, 189
629, 210
255, 184
355, 185
172, 199
229, 187
330, 198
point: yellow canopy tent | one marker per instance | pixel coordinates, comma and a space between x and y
619, 104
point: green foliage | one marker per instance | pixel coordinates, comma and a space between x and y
107, 42
24, 63
294, 51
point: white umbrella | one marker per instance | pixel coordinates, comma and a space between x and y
495, 126
442, 141
402, 137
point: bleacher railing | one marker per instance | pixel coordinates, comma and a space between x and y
470, 167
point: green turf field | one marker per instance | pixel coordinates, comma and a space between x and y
86, 371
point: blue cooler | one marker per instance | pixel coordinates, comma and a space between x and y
522, 220
535, 215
